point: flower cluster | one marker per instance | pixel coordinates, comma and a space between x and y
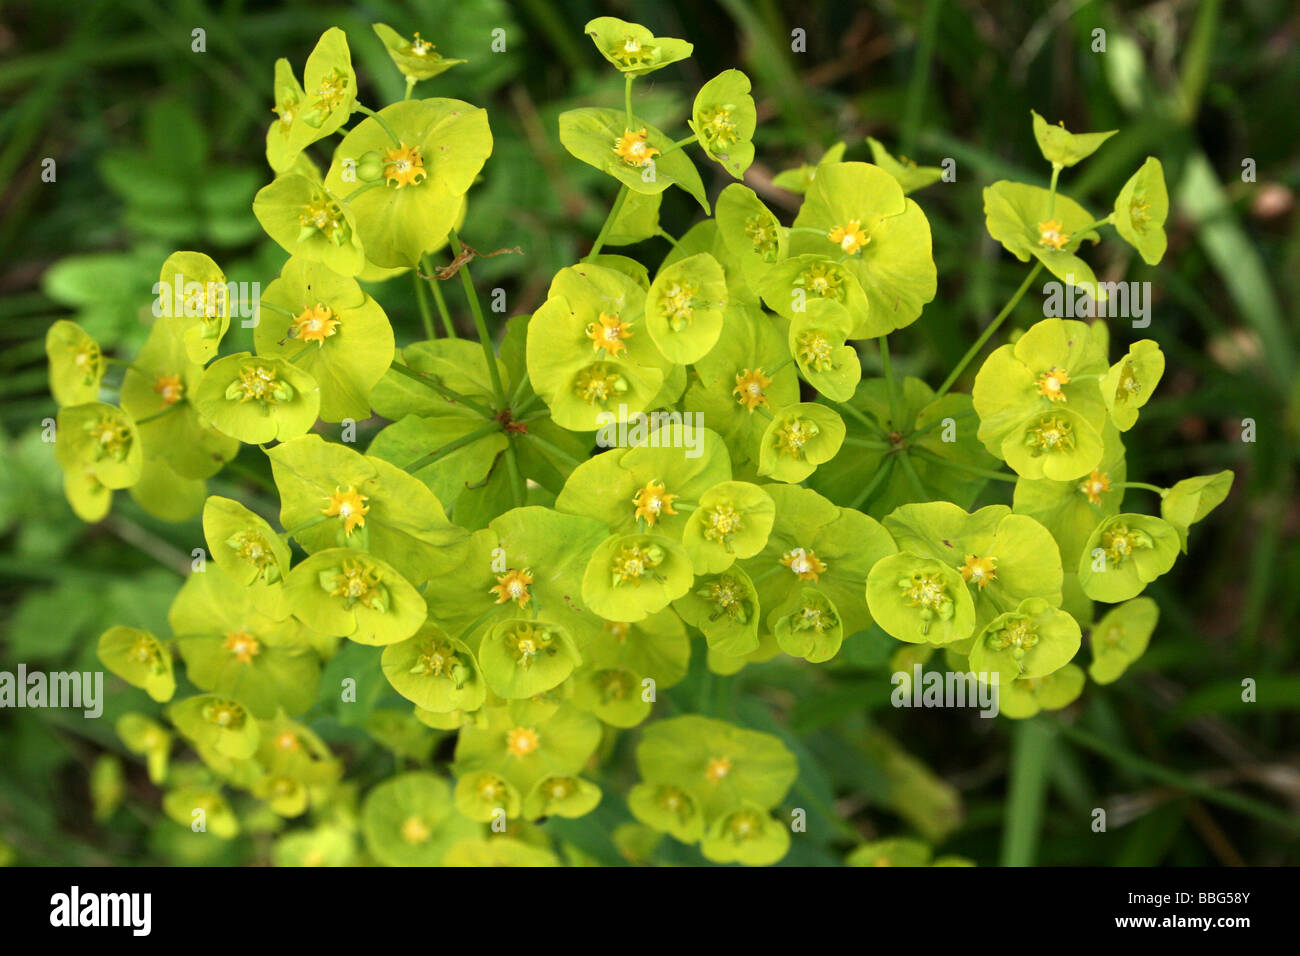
530, 601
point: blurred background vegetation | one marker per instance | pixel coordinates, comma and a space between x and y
160, 148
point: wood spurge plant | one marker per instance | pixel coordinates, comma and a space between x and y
668, 472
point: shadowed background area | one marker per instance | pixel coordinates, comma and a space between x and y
157, 147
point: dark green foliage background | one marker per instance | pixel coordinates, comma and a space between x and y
159, 148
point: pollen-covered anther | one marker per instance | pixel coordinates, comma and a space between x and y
633, 149
721, 522
678, 304
804, 563
259, 383
815, 350
727, 597
632, 53
112, 438
350, 505
926, 592
1051, 234
718, 127
323, 215
1120, 541
1050, 382
357, 583
792, 436
224, 713
608, 333
404, 166
653, 502
1050, 434
331, 92
633, 562
421, 47
315, 323
522, 741
170, 387
823, 280
513, 586
850, 237
598, 384
751, 388
527, 641
439, 660
242, 646
762, 233
1018, 634
415, 830
1095, 485
980, 570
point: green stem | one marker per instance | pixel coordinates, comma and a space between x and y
680, 144
1142, 484
987, 334
913, 478
863, 418
380, 120
627, 97
888, 368
157, 415
442, 390
559, 453
609, 222
452, 446
868, 443
441, 302
309, 523
936, 422
664, 234
235, 468
360, 189
1031, 754
480, 324
1235, 801
422, 296
1051, 202
961, 466
881, 476
410, 87
518, 489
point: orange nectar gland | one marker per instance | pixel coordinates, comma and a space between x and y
170, 388
242, 646
979, 570
633, 149
849, 237
633, 562
1050, 234
513, 586
653, 501
315, 323
717, 769
349, 505
1095, 485
403, 166
522, 741
751, 388
1050, 382
803, 563
608, 333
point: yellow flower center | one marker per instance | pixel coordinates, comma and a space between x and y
287, 740
653, 501
1139, 214
258, 383
850, 237
815, 350
242, 646
326, 217
286, 109
717, 769
677, 302
1119, 542
597, 384
727, 596
560, 787
1129, 386
403, 166
420, 47
721, 522
926, 592
805, 564
751, 388
1050, 382
633, 561
170, 388
1051, 234
744, 825
792, 436
349, 505
224, 713
527, 642
633, 149
358, 583
250, 546
762, 233
415, 830
513, 586
980, 571
112, 438
608, 333
1051, 435
822, 279
315, 323
718, 127
618, 629
333, 88
1018, 634
521, 741
1094, 485
632, 53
